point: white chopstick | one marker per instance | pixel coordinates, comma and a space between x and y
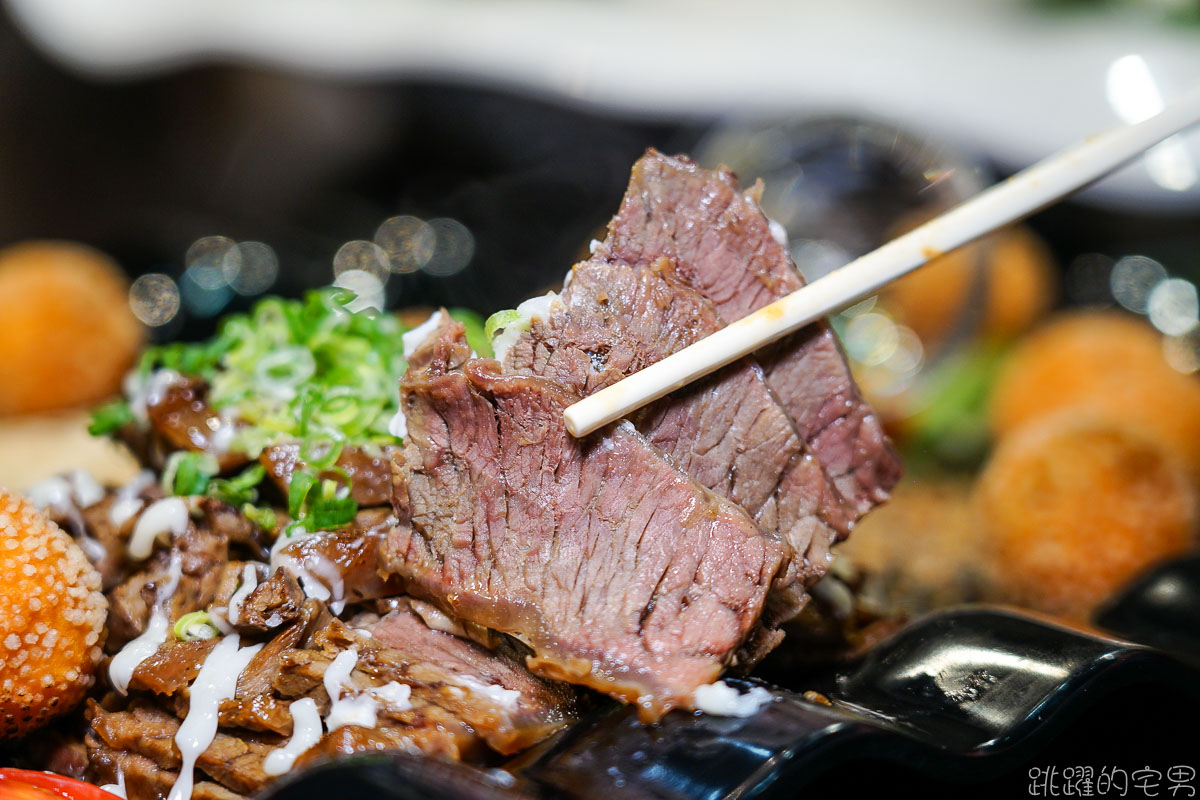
1006, 202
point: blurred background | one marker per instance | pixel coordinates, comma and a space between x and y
163, 164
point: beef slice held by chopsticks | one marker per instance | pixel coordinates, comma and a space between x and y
722, 245
616, 568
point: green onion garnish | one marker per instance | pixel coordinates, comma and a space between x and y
263, 517
110, 417
195, 627
188, 473
240, 489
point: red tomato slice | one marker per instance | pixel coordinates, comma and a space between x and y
27, 784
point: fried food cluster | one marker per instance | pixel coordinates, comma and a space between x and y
51, 619
1104, 365
68, 335
1073, 509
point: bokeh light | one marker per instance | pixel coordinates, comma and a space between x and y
251, 268
154, 299
362, 256
408, 241
1132, 280
1173, 306
455, 246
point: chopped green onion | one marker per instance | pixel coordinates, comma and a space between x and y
264, 518
298, 488
195, 627
332, 512
318, 453
187, 473
110, 417
239, 489
498, 321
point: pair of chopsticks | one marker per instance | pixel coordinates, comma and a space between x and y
1007, 202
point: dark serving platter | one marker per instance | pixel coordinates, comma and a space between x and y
968, 699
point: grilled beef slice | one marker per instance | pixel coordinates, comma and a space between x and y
722, 243
728, 432
618, 570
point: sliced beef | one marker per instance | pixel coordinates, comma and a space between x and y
233, 761
345, 561
203, 553
172, 668
274, 602
183, 420
144, 780
619, 571
723, 246
370, 473
496, 695
728, 431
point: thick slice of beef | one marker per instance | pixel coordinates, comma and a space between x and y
346, 561
728, 431
495, 694
144, 780
147, 730
723, 245
618, 570
274, 602
370, 473
172, 668
183, 420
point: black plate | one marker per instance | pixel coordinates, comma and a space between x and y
970, 695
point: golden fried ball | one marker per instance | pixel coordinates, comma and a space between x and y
1018, 286
1073, 509
51, 619
68, 335
1106, 365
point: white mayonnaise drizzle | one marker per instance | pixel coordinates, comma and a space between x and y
52, 494
535, 308
249, 583
359, 710
120, 669
778, 232
505, 698
306, 732
216, 681
148, 391
166, 516
395, 695
721, 699
318, 577
117, 788
85, 488
127, 503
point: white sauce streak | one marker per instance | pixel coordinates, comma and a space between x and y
166, 516
66, 495
217, 681
306, 732
249, 583
127, 503
117, 788
722, 700
505, 698
359, 710
318, 577
144, 392
120, 669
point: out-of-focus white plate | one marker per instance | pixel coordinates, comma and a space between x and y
1001, 78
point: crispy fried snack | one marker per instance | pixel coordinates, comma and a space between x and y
68, 335
1074, 509
51, 619
1105, 365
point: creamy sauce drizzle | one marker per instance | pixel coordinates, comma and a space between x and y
319, 578
66, 495
216, 681
505, 698
306, 731
127, 503
166, 516
249, 583
117, 788
721, 699
120, 669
